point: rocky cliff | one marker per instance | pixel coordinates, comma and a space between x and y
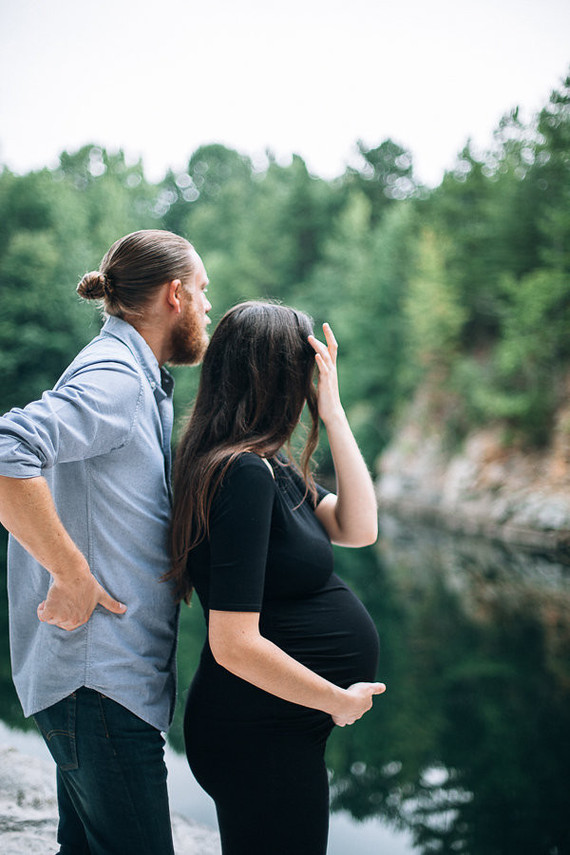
485, 485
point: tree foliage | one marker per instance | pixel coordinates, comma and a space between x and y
464, 287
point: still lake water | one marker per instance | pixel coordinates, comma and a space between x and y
469, 749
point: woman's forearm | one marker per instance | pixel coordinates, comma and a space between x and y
236, 645
266, 666
350, 518
355, 510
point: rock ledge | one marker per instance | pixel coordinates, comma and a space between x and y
28, 811
485, 488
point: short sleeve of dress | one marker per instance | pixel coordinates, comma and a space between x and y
296, 477
240, 524
321, 493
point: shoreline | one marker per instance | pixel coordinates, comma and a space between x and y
469, 523
28, 807
484, 489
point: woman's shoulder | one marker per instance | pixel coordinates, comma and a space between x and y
252, 460
247, 465
247, 479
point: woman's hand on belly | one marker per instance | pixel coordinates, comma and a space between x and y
238, 646
357, 701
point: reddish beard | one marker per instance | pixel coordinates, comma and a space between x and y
189, 338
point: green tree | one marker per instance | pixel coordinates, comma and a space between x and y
551, 173
55, 225
433, 309
360, 288
386, 176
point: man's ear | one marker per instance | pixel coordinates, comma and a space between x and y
173, 298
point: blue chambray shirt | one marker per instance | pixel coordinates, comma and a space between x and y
101, 438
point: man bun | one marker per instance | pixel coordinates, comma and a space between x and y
134, 269
93, 286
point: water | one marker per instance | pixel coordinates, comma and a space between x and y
469, 749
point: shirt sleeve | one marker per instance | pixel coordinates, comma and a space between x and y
240, 525
92, 413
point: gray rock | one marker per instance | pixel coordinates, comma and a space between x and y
28, 811
483, 488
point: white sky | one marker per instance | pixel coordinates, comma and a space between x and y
307, 76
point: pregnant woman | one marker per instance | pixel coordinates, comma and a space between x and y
290, 650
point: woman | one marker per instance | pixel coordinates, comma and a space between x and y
290, 650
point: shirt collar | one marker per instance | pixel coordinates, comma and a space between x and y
161, 380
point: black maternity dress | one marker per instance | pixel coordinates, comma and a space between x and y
261, 758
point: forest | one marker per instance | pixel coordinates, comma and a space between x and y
463, 289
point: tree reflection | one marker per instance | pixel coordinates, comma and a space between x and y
469, 748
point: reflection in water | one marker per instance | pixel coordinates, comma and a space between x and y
469, 748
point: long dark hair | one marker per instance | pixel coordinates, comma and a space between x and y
256, 377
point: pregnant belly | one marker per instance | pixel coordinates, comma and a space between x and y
330, 632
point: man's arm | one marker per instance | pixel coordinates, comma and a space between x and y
28, 512
92, 413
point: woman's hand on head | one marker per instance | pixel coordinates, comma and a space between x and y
350, 516
328, 394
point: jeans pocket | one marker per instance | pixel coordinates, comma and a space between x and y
57, 726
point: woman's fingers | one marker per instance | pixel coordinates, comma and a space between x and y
329, 350
362, 694
318, 346
331, 341
327, 385
323, 366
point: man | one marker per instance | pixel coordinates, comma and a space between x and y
84, 491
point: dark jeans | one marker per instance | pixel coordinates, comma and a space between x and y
111, 778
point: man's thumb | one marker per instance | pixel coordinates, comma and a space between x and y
112, 605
